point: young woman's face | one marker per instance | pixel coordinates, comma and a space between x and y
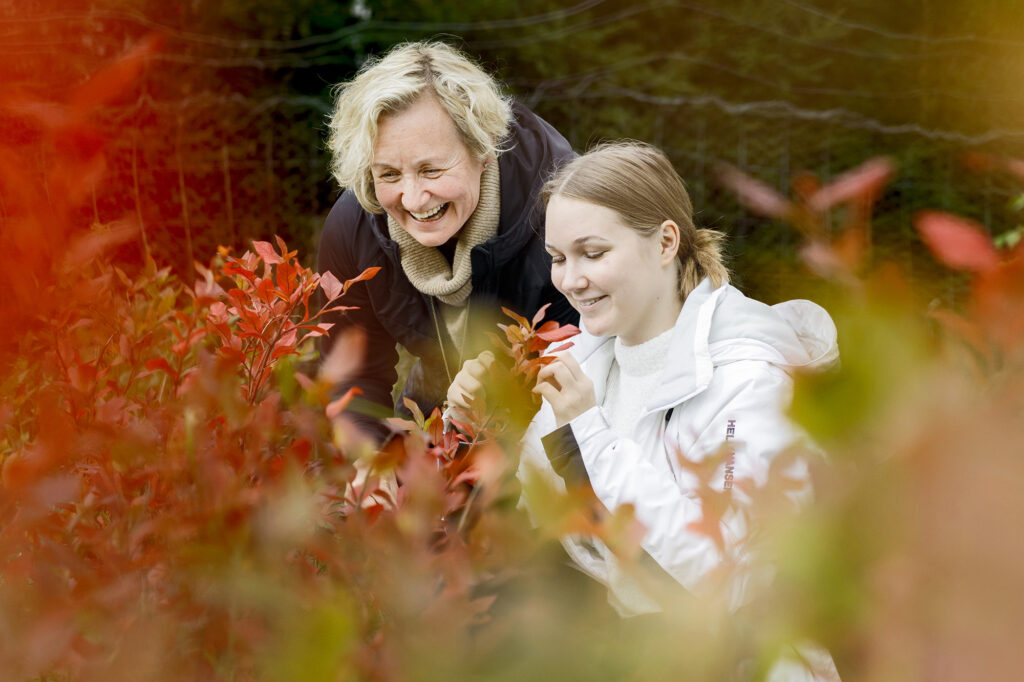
621, 282
423, 174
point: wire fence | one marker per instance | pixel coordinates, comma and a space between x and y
227, 170
226, 166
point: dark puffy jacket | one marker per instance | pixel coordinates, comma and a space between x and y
511, 270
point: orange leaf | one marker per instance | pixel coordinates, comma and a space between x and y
520, 320
335, 407
366, 274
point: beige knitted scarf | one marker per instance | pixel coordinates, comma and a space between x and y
425, 266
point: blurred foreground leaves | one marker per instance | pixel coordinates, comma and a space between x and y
182, 498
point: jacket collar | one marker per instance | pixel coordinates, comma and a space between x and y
716, 327
689, 367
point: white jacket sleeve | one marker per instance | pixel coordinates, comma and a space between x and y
743, 406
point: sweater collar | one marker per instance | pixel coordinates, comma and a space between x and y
425, 266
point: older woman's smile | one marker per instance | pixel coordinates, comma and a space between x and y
431, 215
424, 176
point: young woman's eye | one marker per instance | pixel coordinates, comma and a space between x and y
555, 260
594, 255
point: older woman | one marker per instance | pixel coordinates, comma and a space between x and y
442, 176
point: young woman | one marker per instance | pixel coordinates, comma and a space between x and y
672, 361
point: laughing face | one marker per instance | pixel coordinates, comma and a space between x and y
622, 283
424, 176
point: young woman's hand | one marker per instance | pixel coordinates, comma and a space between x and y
469, 382
564, 385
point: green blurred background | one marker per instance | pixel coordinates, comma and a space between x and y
224, 143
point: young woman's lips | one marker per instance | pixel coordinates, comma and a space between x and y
589, 303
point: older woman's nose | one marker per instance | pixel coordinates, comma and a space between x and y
415, 196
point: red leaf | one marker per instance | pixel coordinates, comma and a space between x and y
87, 247
161, 364
229, 353
281, 351
956, 242
560, 333
286, 277
267, 253
265, 290
862, 182
112, 81
540, 314
754, 194
285, 253
331, 285
234, 267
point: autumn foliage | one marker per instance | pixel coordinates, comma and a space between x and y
183, 497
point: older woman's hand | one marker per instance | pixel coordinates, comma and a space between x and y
564, 385
470, 382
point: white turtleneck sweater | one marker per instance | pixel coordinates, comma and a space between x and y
632, 377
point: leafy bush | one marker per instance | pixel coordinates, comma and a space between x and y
180, 500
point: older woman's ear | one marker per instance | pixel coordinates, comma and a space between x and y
669, 240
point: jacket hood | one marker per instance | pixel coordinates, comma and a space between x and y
719, 326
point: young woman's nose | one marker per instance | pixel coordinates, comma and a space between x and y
573, 278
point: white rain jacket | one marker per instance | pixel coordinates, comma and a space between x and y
727, 380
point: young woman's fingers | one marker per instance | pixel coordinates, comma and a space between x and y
546, 390
570, 363
556, 372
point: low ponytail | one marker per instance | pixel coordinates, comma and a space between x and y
703, 258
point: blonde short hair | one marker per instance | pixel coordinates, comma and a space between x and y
638, 182
390, 84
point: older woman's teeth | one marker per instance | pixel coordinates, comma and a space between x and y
429, 214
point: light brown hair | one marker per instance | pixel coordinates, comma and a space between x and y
638, 182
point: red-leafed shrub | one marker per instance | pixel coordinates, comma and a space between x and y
181, 498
